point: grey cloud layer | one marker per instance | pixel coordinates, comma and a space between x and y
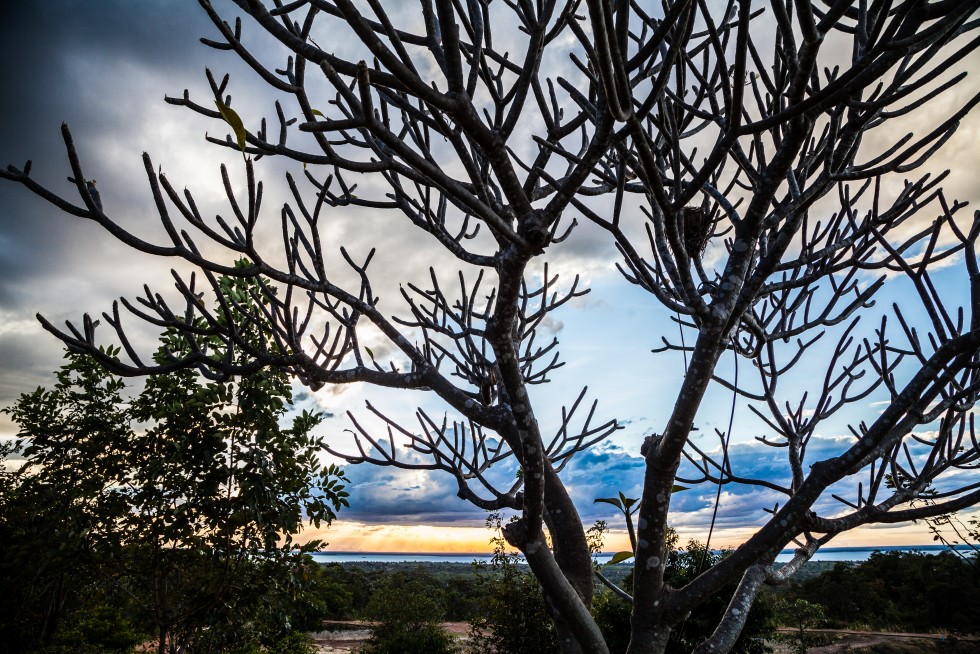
84, 63
386, 495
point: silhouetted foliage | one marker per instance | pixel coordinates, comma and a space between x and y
901, 591
683, 565
177, 507
512, 616
802, 616
407, 612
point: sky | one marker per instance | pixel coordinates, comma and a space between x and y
104, 68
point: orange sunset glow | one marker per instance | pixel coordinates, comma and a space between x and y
430, 539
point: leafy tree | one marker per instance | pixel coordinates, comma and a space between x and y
613, 613
802, 616
401, 599
192, 515
753, 190
52, 520
352, 588
685, 565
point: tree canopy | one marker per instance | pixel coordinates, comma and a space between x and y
183, 500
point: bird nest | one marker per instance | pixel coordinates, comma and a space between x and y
697, 230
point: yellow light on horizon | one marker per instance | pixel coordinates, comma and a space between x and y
346, 536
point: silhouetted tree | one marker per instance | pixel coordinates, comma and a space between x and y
189, 518
743, 160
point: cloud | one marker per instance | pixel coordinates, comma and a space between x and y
387, 495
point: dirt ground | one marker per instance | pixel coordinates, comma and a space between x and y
837, 641
343, 637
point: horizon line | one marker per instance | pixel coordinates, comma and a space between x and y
842, 548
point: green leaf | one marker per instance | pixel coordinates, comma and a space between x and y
317, 112
370, 353
627, 501
234, 120
619, 557
677, 489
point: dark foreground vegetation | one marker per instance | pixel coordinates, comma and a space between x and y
898, 591
165, 515
893, 591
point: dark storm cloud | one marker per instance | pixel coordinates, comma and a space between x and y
394, 496
21, 352
100, 67
57, 58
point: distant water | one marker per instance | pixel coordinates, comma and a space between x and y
864, 553
825, 554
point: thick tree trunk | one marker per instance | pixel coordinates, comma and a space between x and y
571, 553
649, 640
567, 642
568, 537
564, 570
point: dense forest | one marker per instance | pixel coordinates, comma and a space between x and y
898, 591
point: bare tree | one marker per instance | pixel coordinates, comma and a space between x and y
750, 137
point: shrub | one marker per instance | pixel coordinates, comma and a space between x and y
513, 616
295, 642
407, 610
410, 639
612, 614
97, 630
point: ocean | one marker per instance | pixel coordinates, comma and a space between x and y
825, 554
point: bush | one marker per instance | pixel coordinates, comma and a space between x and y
401, 599
513, 617
801, 616
407, 610
295, 642
98, 630
613, 614
410, 639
